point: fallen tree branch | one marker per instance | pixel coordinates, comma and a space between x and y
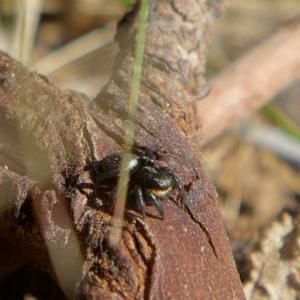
53, 149
251, 81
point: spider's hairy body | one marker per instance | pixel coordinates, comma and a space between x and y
148, 183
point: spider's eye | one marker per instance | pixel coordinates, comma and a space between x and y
148, 158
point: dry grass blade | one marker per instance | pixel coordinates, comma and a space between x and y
74, 50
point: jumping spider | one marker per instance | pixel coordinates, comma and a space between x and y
147, 185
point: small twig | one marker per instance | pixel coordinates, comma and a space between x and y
251, 81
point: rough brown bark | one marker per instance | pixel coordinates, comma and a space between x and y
50, 140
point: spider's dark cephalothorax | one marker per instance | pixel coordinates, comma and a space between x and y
148, 183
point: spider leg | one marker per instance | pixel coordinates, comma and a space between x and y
181, 191
108, 175
151, 198
113, 194
82, 187
138, 194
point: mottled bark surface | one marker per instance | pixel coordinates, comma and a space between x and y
51, 139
